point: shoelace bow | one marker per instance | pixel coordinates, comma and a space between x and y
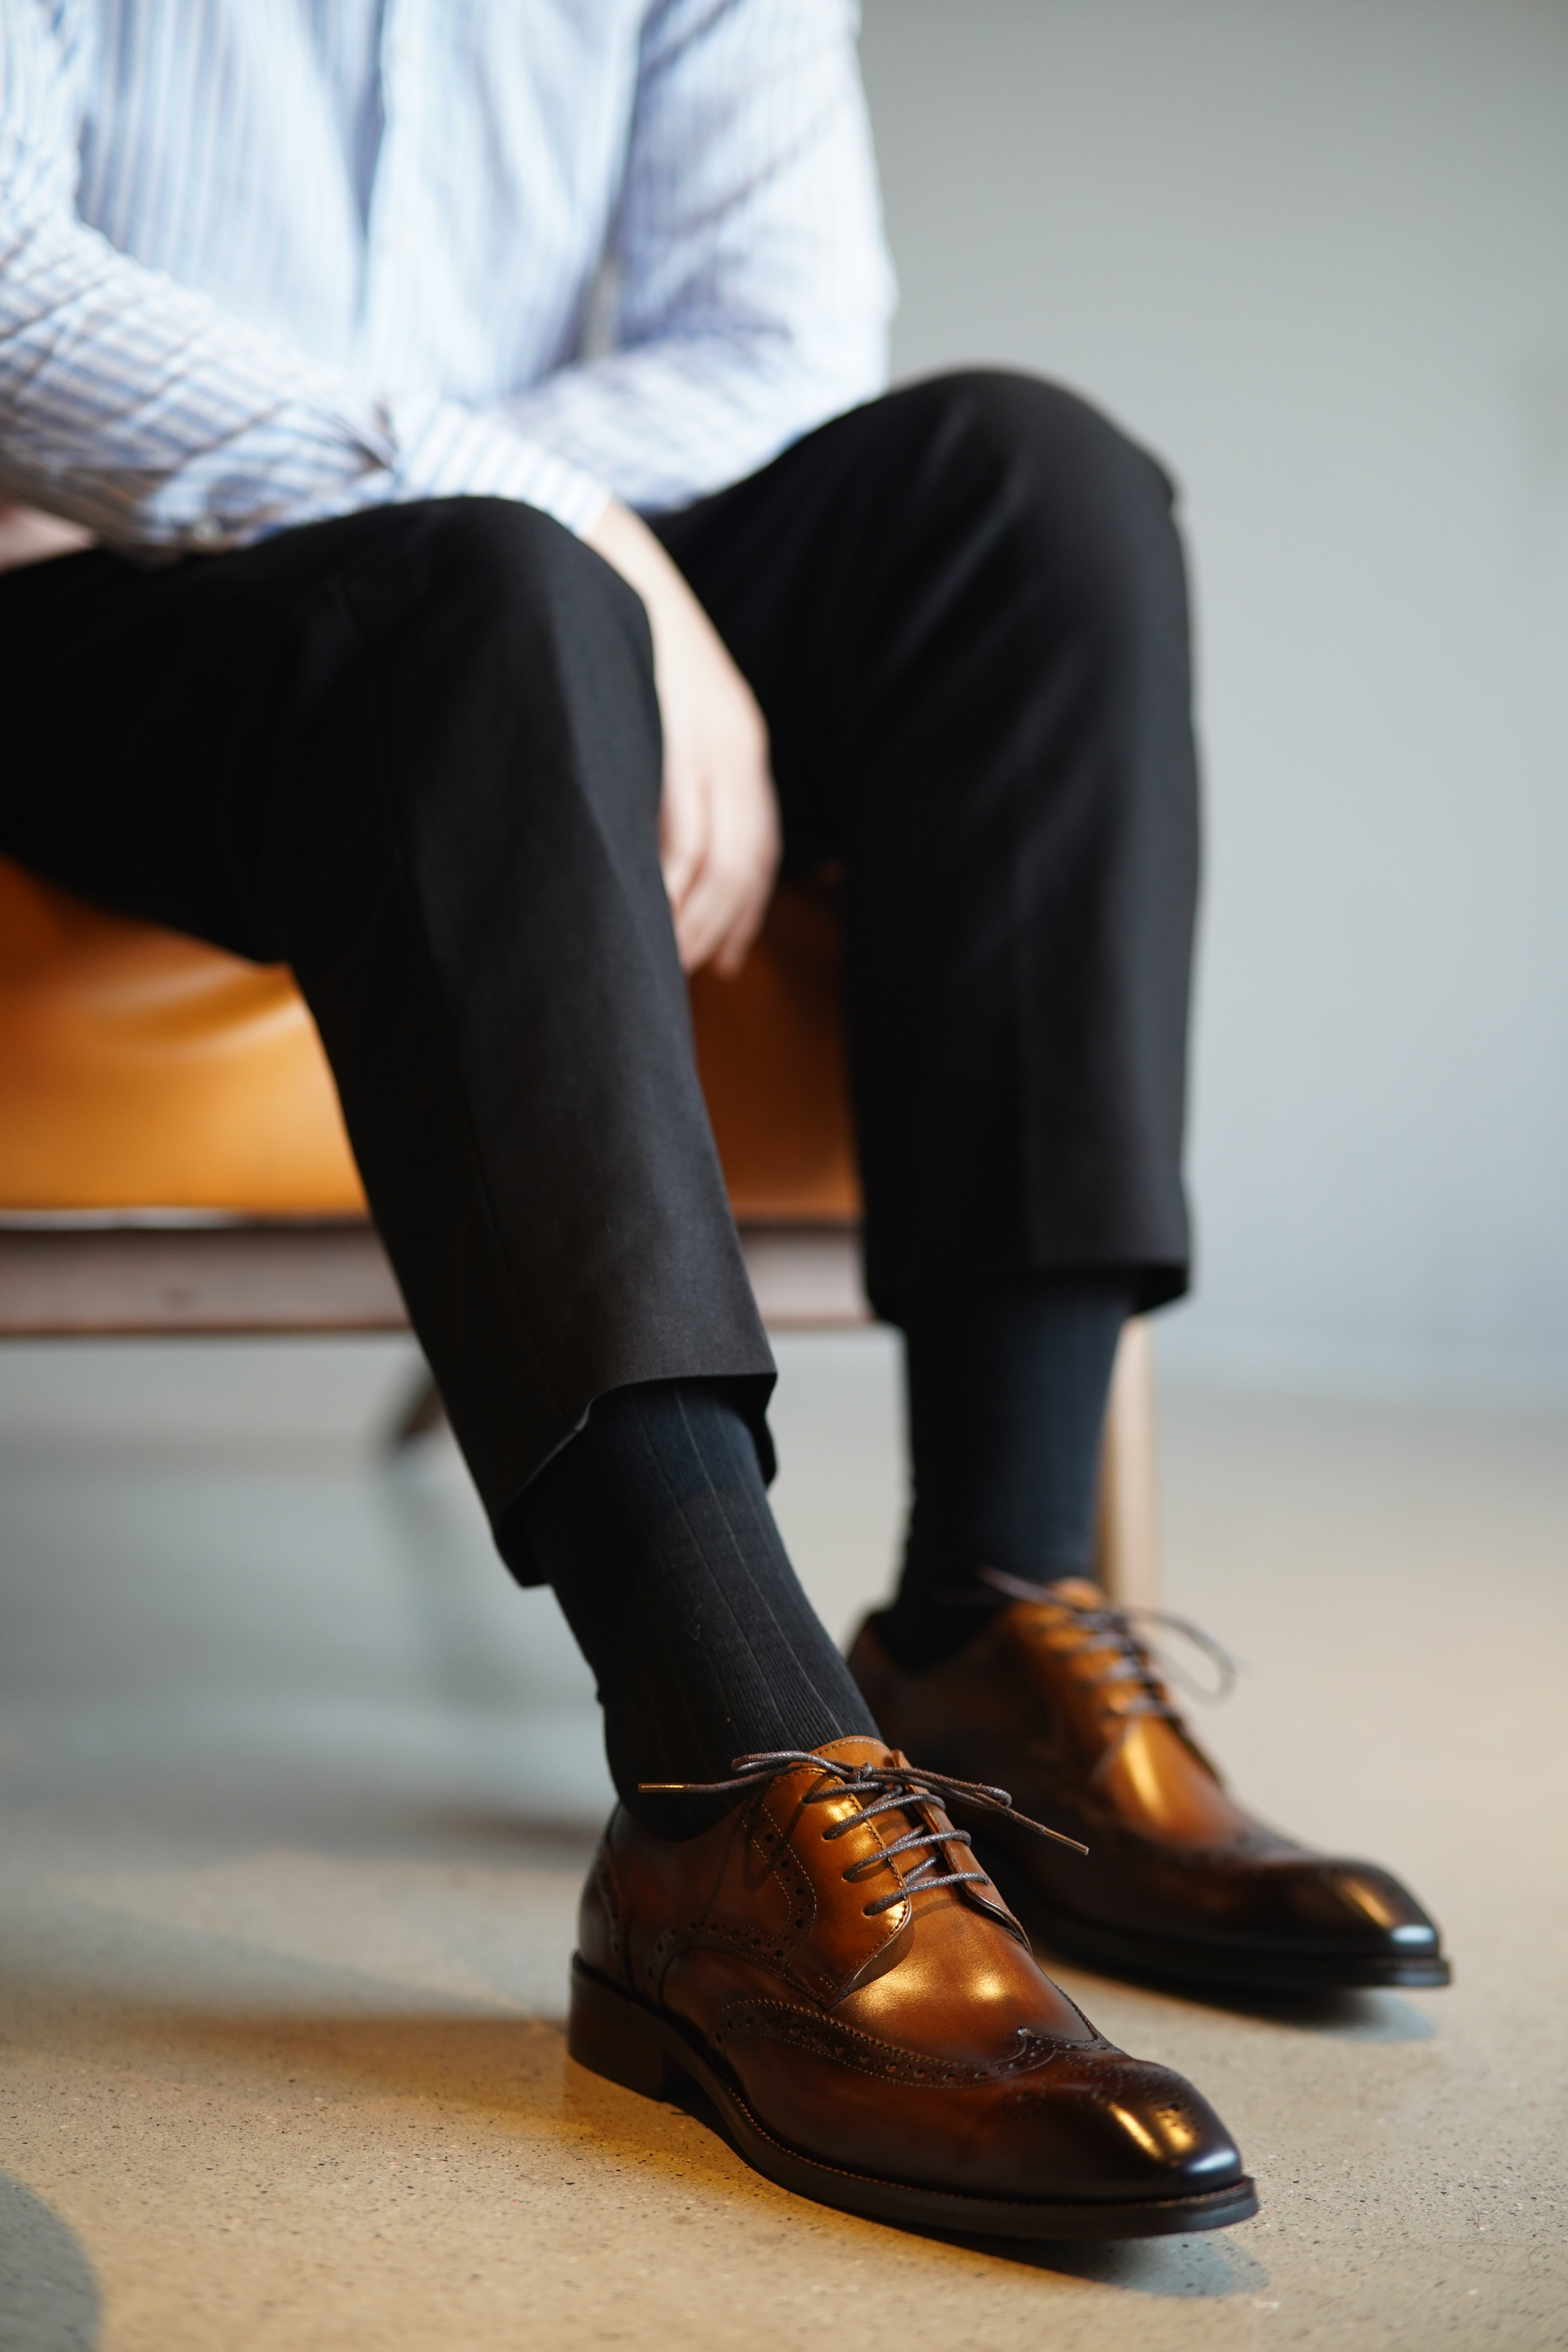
893, 1787
1132, 1659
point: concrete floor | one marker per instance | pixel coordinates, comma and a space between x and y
298, 1792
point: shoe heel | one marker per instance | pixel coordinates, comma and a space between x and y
609, 2035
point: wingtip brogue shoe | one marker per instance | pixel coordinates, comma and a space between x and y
831, 1965
1058, 1696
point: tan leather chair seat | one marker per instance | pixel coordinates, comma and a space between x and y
141, 1070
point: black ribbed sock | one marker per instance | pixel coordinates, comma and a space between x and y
1006, 1390
654, 1528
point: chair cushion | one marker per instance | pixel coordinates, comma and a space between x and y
771, 1053
139, 1069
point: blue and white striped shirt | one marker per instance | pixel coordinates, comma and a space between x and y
263, 261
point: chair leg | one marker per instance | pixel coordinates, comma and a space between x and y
1127, 1561
422, 1413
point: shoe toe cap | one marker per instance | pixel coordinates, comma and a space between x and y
1127, 2129
1356, 1904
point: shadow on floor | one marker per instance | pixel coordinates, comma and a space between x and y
507, 2069
1368, 2016
49, 2295
1347, 2016
1182, 2270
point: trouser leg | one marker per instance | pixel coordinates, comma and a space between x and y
963, 612
419, 756
654, 1528
415, 754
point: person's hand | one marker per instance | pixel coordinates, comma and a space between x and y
718, 820
28, 537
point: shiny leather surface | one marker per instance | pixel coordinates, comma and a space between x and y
920, 2042
1043, 1703
140, 1070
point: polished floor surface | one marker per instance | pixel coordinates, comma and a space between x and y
298, 1791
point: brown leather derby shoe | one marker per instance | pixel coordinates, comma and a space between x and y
837, 1974
1058, 1698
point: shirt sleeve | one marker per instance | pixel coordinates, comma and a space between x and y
754, 288
138, 407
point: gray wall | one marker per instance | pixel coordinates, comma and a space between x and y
1313, 251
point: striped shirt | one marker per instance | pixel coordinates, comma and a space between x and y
264, 261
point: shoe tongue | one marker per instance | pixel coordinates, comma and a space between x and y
856, 1748
1079, 1591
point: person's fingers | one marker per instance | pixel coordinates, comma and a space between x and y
707, 909
718, 816
704, 919
733, 950
684, 819
754, 885
722, 913
720, 916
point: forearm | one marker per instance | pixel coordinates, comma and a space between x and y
139, 410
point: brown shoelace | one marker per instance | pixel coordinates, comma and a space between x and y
891, 1787
1114, 1628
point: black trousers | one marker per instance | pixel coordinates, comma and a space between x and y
415, 754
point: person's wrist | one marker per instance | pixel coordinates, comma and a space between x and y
625, 542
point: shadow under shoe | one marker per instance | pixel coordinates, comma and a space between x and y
830, 1964
1058, 1699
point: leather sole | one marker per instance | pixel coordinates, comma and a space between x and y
618, 2037
1220, 1968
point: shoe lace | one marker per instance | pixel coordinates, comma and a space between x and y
1130, 1658
881, 1789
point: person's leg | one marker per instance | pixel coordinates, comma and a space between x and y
654, 1528
1005, 1389
980, 699
416, 755
963, 612
429, 777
